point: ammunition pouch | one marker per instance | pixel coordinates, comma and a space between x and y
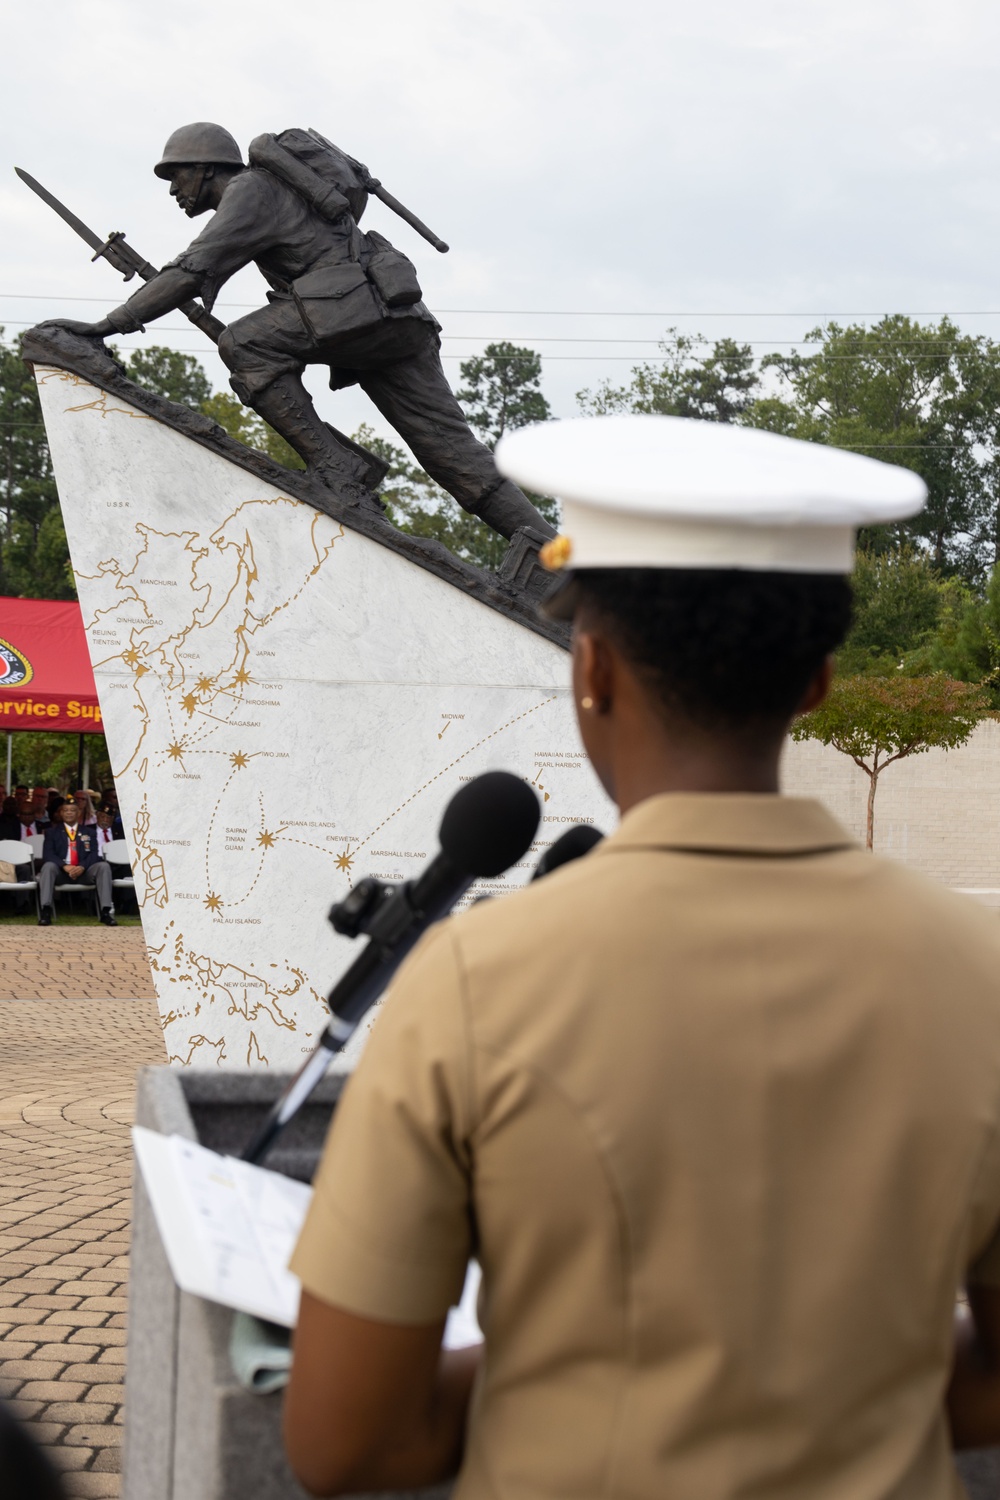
394, 278
391, 273
336, 302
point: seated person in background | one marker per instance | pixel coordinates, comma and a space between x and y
28, 827
18, 825
70, 853
39, 798
28, 824
55, 800
109, 828
10, 823
109, 804
85, 805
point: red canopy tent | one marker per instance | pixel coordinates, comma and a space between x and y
46, 680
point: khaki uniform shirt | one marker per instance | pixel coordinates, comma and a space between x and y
718, 1109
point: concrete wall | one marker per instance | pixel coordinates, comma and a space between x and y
939, 811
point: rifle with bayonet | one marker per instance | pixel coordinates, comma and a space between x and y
117, 251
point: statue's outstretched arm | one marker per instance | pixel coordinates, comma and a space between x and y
166, 291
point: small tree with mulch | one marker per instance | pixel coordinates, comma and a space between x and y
879, 720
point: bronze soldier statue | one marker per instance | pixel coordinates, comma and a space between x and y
339, 297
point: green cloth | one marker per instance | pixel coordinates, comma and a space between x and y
260, 1354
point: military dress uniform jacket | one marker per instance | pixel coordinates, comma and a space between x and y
718, 1109
55, 848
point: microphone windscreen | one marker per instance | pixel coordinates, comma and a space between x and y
489, 824
573, 844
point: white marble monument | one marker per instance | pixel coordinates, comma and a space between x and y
289, 705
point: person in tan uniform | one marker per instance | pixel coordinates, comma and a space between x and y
717, 1107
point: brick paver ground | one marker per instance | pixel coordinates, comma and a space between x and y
67, 1070
73, 963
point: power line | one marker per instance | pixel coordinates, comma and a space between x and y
627, 359
565, 312
473, 338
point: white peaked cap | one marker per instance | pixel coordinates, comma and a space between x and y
670, 492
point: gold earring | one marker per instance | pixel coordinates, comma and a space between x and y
587, 703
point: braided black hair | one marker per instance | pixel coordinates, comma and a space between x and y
728, 649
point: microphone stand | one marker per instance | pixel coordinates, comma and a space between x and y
394, 917
487, 825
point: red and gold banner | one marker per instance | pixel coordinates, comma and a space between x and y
46, 680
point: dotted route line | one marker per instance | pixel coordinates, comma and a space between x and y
451, 764
211, 825
339, 853
260, 870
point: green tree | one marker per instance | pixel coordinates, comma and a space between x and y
502, 391
243, 424
169, 373
181, 378
925, 396
880, 720
46, 759
415, 504
966, 641
716, 387
899, 600
34, 559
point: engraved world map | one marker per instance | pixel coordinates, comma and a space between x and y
288, 706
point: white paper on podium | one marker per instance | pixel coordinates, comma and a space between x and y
229, 1228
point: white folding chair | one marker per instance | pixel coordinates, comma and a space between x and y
116, 853
37, 841
14, 850
78, 887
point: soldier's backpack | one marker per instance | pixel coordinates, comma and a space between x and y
324, 176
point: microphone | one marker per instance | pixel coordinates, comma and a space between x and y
487, 826
573, 844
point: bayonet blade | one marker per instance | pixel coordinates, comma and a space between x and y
93, 240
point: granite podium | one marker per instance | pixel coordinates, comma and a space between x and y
192, 1432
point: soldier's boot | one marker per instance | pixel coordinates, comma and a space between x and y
507, 510
287, 406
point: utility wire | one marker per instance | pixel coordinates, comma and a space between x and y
473, 338
565, 312
628, 359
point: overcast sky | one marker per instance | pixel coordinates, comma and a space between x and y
736, 167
